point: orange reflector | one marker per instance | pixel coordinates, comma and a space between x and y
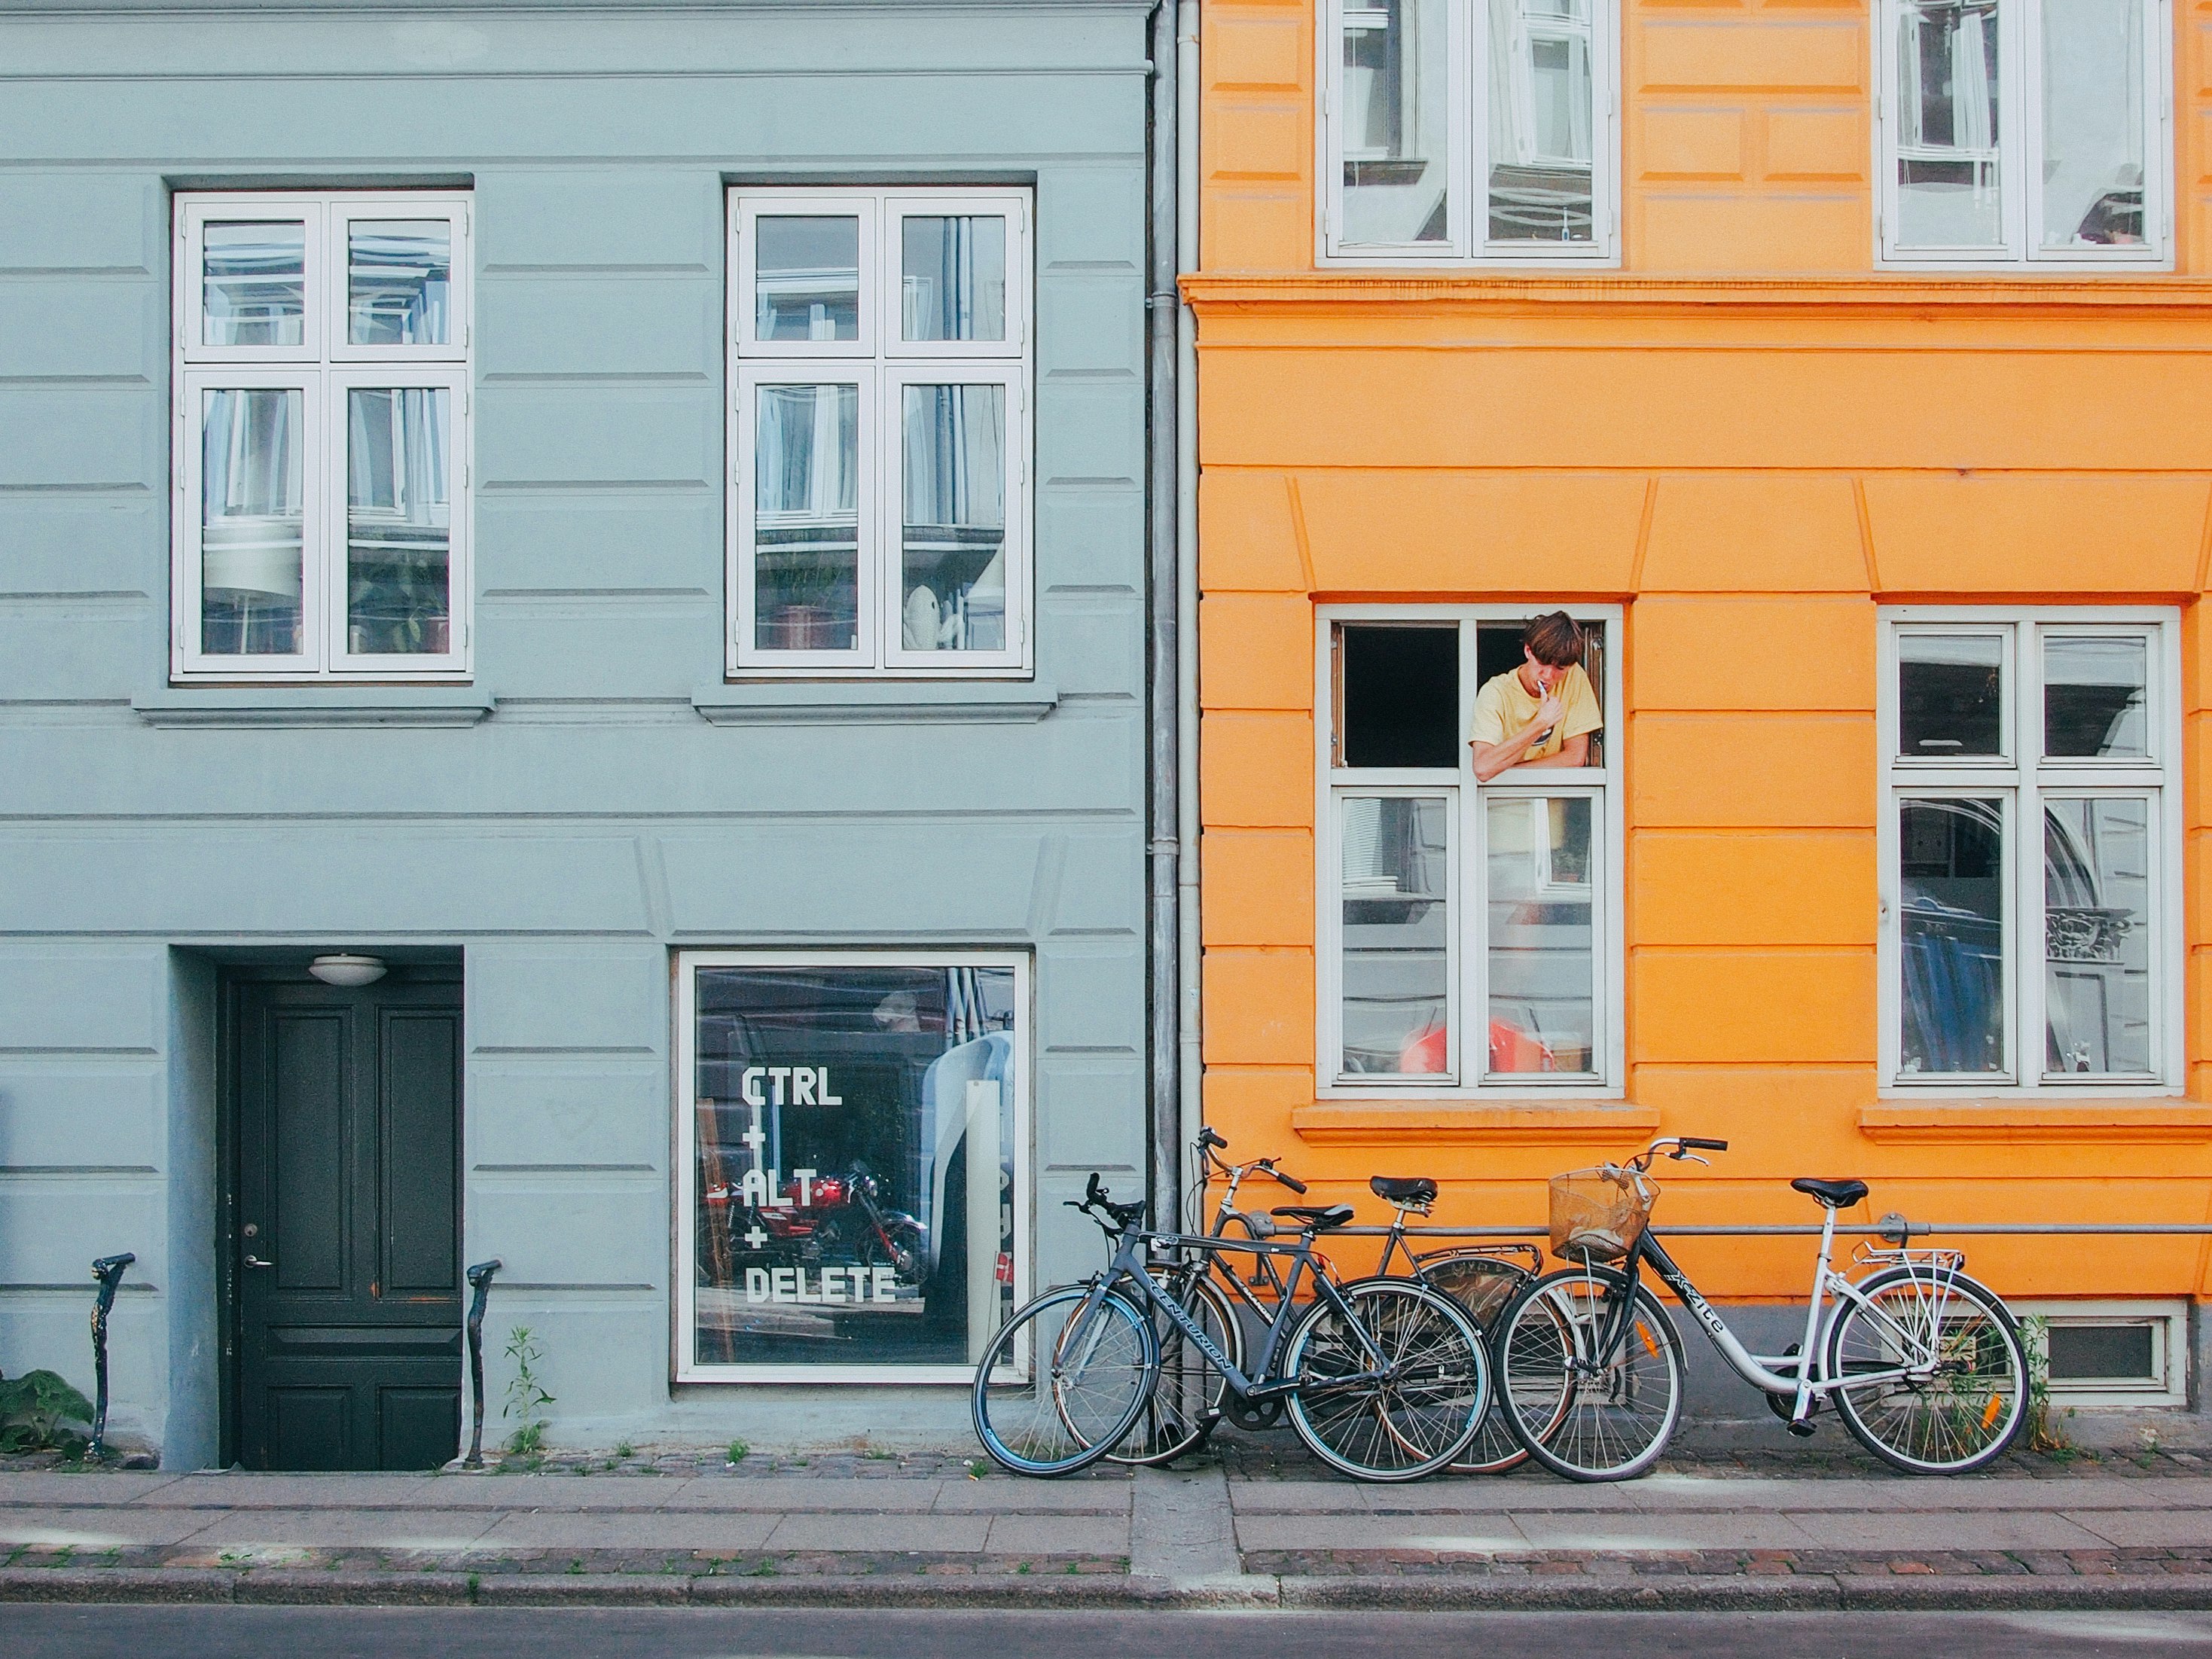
1990, 1412
1650, 1343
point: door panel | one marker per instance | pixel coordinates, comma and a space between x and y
347, 1240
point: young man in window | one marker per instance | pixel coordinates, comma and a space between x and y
1542, 712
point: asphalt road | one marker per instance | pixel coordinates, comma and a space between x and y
158, 1633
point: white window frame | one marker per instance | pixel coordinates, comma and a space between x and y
1468, 819
684, 1154
2020, 151
880, 362
2168, 1321
2022, 779
323, 367
1467, 202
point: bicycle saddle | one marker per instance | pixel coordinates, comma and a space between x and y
1319, 1217
1836, 1194
1403, 1189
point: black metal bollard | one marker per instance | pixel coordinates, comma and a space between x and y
479, 1277
108, 1270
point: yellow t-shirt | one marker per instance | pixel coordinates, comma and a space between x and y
1504, 706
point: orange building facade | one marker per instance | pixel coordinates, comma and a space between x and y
1854, 390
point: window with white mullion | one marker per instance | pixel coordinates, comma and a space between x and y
400, 549
2024, 131
955, 524
807, 515
1541, 934
252, 495
1398, 948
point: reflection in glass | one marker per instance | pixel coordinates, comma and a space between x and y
2093, 697
2092, 122
806, 518
250, 521
1950, 695
1542, 131
1397, 134
399, 534
855, 1170
1539, 935
254, 283
806, 277
399, 281
1397, 937
2096, 935
1951, 928
952, 561
953, 278
1948, 132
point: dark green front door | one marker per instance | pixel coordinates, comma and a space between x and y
347, 1225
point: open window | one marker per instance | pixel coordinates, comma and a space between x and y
1471, 931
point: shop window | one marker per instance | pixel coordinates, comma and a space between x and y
2112, 1353
1474, 131
321, 374
853, 1202
1470, 929
880, 432
2019, 132
2030, 819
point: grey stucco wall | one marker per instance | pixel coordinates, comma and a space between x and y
593, 821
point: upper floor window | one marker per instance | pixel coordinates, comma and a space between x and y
321, 465
1470, 129
2025, 131
880, 435
1470, 852
2031, 845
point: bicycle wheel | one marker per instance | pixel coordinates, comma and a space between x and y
1186, 1403
1485, 1287
1585, 1414
1963, 1392
1058, 1388
1413, 1421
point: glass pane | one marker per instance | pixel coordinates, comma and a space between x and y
1950, 695
806, 518
2093, 697
855, 1177
254, 285
1951, 926
1540, 935
1948, 125
807, 278
952, 587
1542, 97
1398, 696
2096, 935
399, 281
399, 536
2103, 1353
1397, 133
1397, 936
953, 274
250, 520
2092, 122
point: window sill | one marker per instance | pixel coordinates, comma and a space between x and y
863, 702
1490, 1122
2087, 1123
314, 705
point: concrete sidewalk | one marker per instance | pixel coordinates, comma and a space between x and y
923, 1531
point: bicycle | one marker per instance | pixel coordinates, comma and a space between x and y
1383, 1381
1923, 1364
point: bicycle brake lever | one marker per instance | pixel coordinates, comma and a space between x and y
1691, 1157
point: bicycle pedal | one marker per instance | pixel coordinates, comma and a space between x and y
1803, 1431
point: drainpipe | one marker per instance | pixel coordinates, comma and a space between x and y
1165, 770
1188, 1050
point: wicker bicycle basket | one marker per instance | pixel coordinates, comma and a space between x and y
1599, 1213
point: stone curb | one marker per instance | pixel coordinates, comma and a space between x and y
1808, 1592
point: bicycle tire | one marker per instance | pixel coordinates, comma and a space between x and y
1973, 1413
1485, 1287
1187, 1401
1581, 1415
1076, 1403
1397, 1431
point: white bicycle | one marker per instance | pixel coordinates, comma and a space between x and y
1923, 1364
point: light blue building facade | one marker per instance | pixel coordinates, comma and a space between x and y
632, 518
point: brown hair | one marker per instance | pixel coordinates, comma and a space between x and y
1555, 640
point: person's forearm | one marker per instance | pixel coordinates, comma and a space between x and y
1559, 757
1490, 759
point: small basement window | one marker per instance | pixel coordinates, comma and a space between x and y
1397, 694
2131, 1353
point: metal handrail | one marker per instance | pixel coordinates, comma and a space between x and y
479, 1277
108, 1271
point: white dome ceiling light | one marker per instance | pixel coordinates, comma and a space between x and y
346, 971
